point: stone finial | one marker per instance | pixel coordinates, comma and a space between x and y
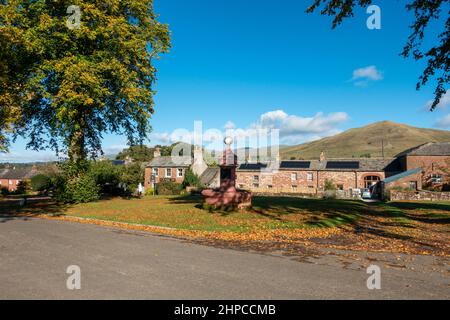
322, 156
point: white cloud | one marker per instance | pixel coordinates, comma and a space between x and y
443, 104
362, 76
443, 123
229, 125
297, 129
293, 129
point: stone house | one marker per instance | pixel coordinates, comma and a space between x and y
10, 178
309, 177
164, 169
170, 169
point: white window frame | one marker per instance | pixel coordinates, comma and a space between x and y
294, 176
167, 171
436, 178
309, 176
155, 172
180, 175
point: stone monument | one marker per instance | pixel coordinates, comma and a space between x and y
227, 196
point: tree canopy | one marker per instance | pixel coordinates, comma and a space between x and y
77, 83
425, 11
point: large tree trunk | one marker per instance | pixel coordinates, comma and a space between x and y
77, 143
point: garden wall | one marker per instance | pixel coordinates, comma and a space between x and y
397, 195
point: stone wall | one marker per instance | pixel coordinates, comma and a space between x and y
419, 196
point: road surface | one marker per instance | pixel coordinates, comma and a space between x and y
119, 264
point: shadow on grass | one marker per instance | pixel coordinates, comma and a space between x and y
12, 210
405, 210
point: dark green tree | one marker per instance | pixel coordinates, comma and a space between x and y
81, 80
137, 153
425, 11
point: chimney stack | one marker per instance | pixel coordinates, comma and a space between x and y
157, 152
322, 157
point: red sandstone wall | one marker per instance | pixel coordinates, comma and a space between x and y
10, 187
282, 182
430, 165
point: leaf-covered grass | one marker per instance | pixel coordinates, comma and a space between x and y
267, 213
280, 223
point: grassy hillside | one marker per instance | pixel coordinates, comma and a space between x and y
366, 141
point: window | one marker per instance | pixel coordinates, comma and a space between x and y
371, 180
269, 186
294, 177
155, 172
168, 172
340, 187
294, 188
256, 178
436, 178
413, 185
179, 172
10, 182
256, 185
309, 176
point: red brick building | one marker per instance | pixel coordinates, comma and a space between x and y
11, 177
165, 169
434, 161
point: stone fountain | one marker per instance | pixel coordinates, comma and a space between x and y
227, 196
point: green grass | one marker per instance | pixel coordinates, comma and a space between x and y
267, 213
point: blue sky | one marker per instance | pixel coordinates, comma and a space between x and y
247, 62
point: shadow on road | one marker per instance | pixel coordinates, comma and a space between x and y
12, 210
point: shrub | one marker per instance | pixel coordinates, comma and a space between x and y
191, 179
132, 175
41, 183
80, 189
4, 191
107, 176
168, 188
329, 185
149, 191
76, 183
23, 187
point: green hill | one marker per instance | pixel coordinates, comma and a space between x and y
367, 141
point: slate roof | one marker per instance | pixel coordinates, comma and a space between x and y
401, 175
251, 166
18, 173
429, 149
167, 162
208, 176
352, 164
